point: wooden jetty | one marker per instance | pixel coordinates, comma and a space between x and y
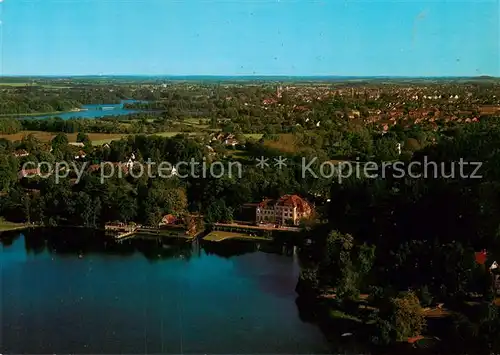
120, 230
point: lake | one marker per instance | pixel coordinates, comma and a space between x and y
96, 111
68, 292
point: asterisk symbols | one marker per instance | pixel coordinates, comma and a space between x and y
262, 162
280, 162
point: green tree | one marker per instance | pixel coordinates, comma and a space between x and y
60, 142
8, 172
404, 314
82, 138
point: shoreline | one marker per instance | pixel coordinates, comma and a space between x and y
32, 114
165, 233
10, 228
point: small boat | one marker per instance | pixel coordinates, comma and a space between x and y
346, 334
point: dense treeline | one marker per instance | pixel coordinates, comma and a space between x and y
398, 234
142, 199
36, 99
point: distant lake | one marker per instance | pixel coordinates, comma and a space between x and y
68, 292
96, 111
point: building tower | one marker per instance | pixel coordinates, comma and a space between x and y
279, 92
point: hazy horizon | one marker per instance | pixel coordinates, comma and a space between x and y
239, 76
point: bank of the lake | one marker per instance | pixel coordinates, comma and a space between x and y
76, 292
86, 111
6, 226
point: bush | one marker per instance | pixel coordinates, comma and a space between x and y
384, 332
425, 296
404, 315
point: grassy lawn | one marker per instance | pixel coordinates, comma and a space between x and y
286, 143
167, 134
337, 314
97, 142
236, 153
219, 236
195, 121
173, 233
200, 126
255, 136
6, 225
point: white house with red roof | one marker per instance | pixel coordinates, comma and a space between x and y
288, 209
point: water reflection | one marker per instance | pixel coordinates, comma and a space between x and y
80, 242
8, 238
225, 298
232, 248
155, 249
229, 248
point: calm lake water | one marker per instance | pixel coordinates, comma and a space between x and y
95, 111
63, 292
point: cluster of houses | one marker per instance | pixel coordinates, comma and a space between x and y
394, 107
21, 153
227, 139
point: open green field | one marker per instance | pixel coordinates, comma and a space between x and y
196, 121
96, 138
101, 138
98, 141
48, 136
200, 123
173, 134
22, 84
15, 84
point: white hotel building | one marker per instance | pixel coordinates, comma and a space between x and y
288, 209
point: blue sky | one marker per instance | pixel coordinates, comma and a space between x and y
246, 37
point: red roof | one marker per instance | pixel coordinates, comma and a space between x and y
288, 201
29, 172
266, 202
481, 257
169, 219
20, 153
